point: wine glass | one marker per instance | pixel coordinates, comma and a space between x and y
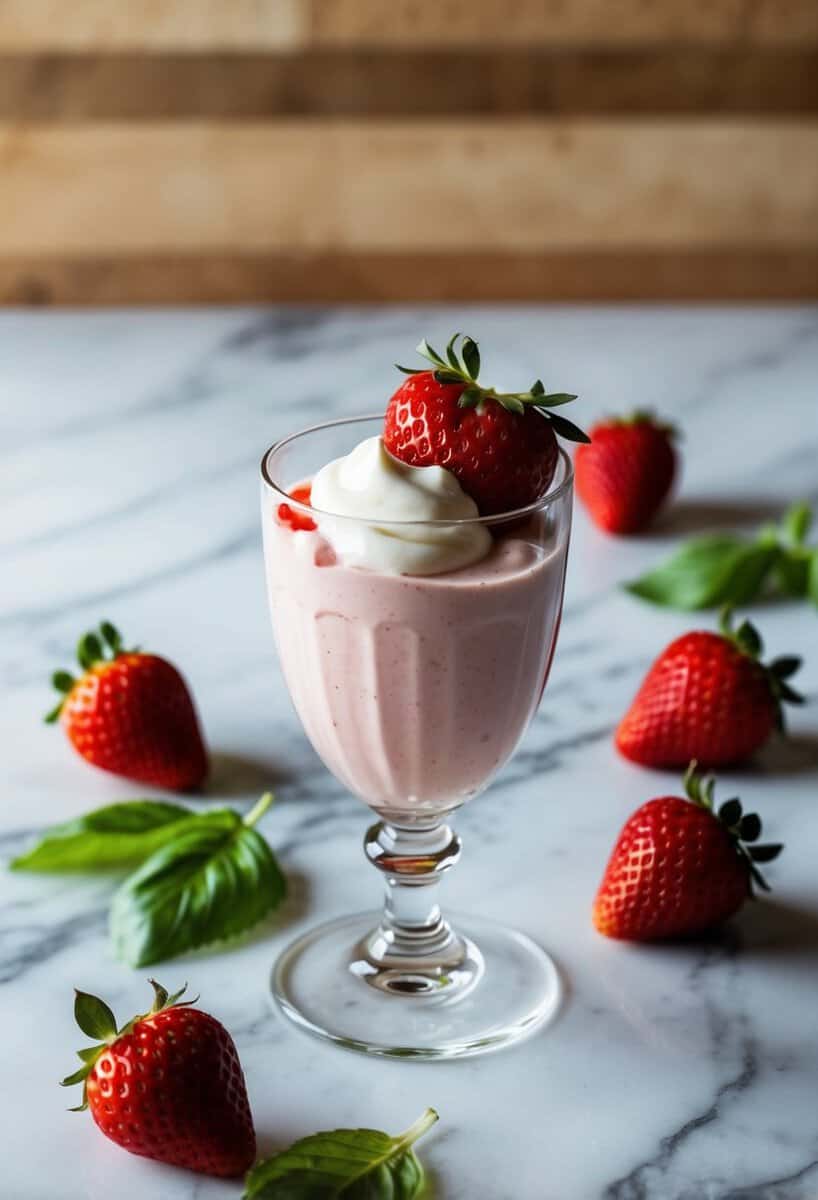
414, 690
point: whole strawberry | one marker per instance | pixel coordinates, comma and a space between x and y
707, 697
501, 446
678, 868
625, 474
168, 1085
131, 713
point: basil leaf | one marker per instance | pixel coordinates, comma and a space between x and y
796, 522
118, 835
812, 581
706, 572
214, 880
356, 1164
792, 573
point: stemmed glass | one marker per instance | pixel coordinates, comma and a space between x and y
414, 690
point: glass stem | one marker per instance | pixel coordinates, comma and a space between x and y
414, 949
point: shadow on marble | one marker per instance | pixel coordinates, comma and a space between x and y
240, 775
793, 755
688, 517
773, 927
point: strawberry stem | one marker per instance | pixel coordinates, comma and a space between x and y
743, 829
465, 370
92, 648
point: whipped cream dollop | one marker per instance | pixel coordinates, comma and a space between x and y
368, 483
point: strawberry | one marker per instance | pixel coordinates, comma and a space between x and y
293, 516
625, 474
707, 697
678, 868
500, 445
168, 1085
131, 713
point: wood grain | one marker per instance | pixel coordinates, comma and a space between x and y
737, 274
194, 25
401, 186
358, 83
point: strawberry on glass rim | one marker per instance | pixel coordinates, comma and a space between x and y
501, 446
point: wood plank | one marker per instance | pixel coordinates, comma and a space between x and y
110, 25
560, 22
407, 186
194, 25
739, 274
122, 86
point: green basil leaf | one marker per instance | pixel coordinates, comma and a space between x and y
118, 835
796, 522
812, 581
215, 879
707, 572
792, 572
353, 1164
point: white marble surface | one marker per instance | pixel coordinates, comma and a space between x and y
129, 445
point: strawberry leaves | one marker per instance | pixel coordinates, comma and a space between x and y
356, 1164
93, 1016
97, 1021
748, 640
465, 369
92, 648
727, 569
743, 829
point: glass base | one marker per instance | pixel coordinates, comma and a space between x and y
320, 982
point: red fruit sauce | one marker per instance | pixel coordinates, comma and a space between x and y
292, 517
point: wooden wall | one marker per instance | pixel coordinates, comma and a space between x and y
407, 149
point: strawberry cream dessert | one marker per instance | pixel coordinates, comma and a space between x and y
415, 588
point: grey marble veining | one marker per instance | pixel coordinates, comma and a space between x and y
129, 445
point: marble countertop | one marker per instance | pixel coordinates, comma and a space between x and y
129, 445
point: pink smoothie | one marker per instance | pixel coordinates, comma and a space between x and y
414, 690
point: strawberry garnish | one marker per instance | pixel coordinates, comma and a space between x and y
627, 471
168, 1085
500, 445
709, 697
679, 868
293, 516
131, 713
